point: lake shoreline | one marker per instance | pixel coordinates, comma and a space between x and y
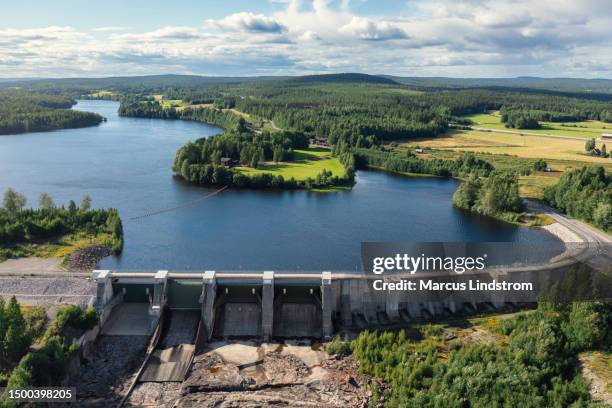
125, 163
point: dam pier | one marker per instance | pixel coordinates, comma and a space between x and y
265, 305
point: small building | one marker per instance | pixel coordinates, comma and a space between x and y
226, 161
318, 142
606, 136
418, 150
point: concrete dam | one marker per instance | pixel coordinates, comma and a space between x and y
271, 304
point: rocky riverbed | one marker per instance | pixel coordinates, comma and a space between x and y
105, 376
253, 374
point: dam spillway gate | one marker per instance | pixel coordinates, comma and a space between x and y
230, 305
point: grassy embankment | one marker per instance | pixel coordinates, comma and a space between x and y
57, 247
52, 231
600, 365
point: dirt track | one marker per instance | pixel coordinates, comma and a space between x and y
31, 265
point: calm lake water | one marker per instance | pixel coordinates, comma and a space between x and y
125, 163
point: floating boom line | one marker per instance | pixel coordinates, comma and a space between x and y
178, 207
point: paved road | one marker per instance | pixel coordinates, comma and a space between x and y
599, 242
583, 230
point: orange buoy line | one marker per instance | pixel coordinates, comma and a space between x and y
188, 204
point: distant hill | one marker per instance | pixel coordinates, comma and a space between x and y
157, 83
16, 79
148, 81
343, 78
590, 88
554, 84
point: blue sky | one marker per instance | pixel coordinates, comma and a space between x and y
471, 38
154, 13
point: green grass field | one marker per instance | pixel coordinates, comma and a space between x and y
586, 129
533, 186
169, 103
307, 163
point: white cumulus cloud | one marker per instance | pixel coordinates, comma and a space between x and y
250, 22
309, 35
431, 37
368, 29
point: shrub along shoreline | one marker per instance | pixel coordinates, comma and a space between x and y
26, 232
496, 196
584, 193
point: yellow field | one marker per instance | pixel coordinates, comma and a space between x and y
169, 103
211, 106
101, 94
534, 147
308, 163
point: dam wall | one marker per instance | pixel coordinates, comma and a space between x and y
284, 305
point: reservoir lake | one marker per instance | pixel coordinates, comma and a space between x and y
126, 163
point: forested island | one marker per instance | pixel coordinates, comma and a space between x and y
233, 158
22, 111
52, 230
